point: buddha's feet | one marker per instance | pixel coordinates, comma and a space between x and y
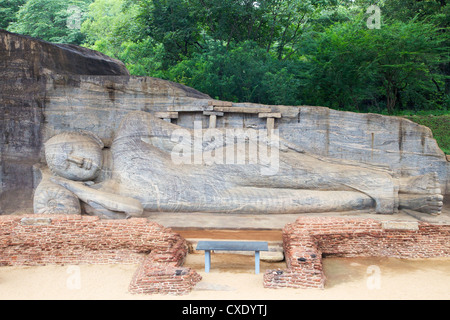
424, 184
421, 193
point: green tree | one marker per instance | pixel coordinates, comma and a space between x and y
8, 10
108, 24
284, 52
241, 72
51, 20
427, 11
185, 27
111, 27
171, 23
230, 20
396, 65
408, 59
273, 24
340, 69
404, 10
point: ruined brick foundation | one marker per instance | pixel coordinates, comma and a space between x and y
71, 239
160, 253
308, 239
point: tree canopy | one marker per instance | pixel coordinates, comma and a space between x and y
292, 52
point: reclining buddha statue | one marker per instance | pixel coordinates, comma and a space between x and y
144, 171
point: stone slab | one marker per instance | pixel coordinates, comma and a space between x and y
272, 256
213, 113
218, 103
222, 221
443, 218
400, 225
233, 245
242, 109
269, 115
36, 221
166, 115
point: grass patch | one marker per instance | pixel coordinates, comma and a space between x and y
439, 125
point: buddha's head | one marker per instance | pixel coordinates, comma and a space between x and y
75, 155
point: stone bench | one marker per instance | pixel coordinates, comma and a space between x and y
209, 246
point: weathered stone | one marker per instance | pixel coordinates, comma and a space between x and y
275, 254
218, 103
50, 198
47, 89
213, 113
36, 221
407, 148
269, 115
166, 115
309, 238
26, 65
145, 175
243, 110
399, 225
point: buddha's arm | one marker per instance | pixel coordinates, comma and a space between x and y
109, 201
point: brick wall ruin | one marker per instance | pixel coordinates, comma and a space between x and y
72, 239
308, 239
160, 253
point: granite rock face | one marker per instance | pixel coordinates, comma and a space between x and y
38, 58
36, 75
47, 89
409, 149
26, 65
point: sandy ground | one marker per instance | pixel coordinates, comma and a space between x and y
232, 278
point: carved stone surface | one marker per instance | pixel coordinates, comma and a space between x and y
41, 87
26, 66
48, 89
400, 225
51, 198
36, 221
146, 174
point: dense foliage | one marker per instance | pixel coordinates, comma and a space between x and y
316, 52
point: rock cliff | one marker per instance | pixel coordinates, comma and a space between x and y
48, 88
31, 71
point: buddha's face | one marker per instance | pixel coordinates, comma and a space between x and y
74, 156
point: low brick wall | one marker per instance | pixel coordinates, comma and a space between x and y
308, 239
73, 239
151, 278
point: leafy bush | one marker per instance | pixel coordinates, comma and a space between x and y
244, 72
